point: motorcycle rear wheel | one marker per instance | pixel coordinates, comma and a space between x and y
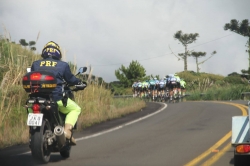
38, 143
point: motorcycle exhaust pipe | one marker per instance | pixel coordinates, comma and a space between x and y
60, 137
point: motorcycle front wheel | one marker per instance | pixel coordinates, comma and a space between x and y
39, 144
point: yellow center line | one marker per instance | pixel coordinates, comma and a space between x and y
216, 157
240, 106
207, 152
217, 144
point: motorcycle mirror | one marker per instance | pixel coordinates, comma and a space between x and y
82, 69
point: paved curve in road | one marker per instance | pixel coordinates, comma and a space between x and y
159, 135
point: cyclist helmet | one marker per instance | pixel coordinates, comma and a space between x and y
155, 78
52, 49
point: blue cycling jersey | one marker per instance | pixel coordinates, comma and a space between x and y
152, 82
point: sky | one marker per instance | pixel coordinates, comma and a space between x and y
107, 34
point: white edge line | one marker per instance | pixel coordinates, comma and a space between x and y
115, 128
121, 126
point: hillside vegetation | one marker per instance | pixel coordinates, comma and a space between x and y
214, 87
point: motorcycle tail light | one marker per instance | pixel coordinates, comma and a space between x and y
36, 108
25, 78
35, 76
49, 78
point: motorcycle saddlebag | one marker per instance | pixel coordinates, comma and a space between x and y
39, 82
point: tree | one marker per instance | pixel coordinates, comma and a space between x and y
197, 55
130, 74
30, 44
185, 39
152, 77
233, 74
23, 42
241, 28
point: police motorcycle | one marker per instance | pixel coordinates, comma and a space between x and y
45, 121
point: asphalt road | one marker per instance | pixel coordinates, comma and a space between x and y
185, 133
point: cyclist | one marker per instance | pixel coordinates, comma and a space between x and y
157, 85
161, 88
178, 84
139, 88
152, 87
183, 87
172, 85
167, 80
148, 89
134, 89
145, 86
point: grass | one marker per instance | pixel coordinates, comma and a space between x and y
226, 92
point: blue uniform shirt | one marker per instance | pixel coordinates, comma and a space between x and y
60, 69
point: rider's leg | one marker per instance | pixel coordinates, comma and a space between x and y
171, 92
144, 92
149, 91
167, 90
179, 89
134, 92
175, 91
153, 92
156, 91
140, 92
183, 92
72, 111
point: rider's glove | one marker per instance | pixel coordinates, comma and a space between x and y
81, 85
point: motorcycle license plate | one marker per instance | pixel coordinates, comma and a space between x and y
34, 119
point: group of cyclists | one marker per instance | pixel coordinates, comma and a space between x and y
169, 88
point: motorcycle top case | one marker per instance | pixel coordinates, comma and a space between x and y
39, 82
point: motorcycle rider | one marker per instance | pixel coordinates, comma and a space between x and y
51, 61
